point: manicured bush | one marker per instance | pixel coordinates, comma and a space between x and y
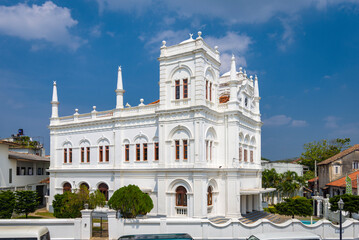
96, 199
131, 201
26, 202
7, 203
299, 206
67, 205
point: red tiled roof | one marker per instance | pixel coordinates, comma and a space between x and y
313, 179
27, 157
341, 181
297, 160
340, 155
46, 180
157, 101
223, 99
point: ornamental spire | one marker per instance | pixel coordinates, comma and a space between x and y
119, 79
256, 88
119, 90
54, 102
233, 68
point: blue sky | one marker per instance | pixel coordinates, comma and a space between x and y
305, 54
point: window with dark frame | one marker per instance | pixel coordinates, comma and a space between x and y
240, 154
177, 143
206, 89
156, 151
209, 196
65, 155
207, 150
185, 148
10, 175
210, 150
70, 155
185, 88
127, 152
138, 152
251, 155
245, 155
145, 152
210, 91
82, 154
177, 89
181, 196
88, 154
107, 153
100, 154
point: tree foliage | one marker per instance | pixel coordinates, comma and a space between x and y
299, 206
130, 201
67, 205
321, 150
351, 203
97, 199
7, 203
26, 202
308, 175
286, 184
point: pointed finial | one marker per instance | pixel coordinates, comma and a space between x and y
119, 68
128, 105
199, 34
54, 92
54, 83
251, 77
245, 73
240, 70
163, 43
255, 77
94, 108
76, 112
119, 78
233, 58
190, 36
233, 72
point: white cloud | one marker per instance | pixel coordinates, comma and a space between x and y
47, 22
331, 122
283, 120
96, 31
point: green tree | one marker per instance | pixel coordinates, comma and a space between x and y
97, 199
26, 202
270, 179
299, 206
351, 203
319, 151
67, 205
7, 203
130, 201
308, 175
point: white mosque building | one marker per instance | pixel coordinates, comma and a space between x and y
196, 151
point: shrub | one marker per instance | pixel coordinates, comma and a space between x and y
7, 203
351, 203
97, 199
130, 201
270, 209
26, 202
67, 205
299, 206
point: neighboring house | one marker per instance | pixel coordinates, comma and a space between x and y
194, 154
22, 171
337, 167
282, 167
338, 187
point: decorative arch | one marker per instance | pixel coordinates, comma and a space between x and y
66, 187
209, 74
84, 142
155, 139
179, 182
83, 183
140, 138
104, 188
126, 141
103, 141
213, 184
211, 133
67, 144
253, 141
241, 137
177, 72
246, 139
179, 129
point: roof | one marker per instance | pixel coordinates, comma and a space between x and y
27, 157
341, 181
9, 143
313, 179
297, 160
157, 101
340, 155
46, 180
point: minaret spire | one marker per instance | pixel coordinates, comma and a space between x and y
119, 90
54, 102
233, 68
256, 88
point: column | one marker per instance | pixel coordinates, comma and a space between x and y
249, 203
86, 224
243, 204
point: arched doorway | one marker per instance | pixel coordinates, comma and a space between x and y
104, 190
84, 185
66, 187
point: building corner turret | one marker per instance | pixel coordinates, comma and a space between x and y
55, 103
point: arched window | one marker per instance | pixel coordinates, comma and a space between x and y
209, 196
66, 187
84, 185
104, 189
181, 196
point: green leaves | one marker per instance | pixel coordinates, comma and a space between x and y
26, 202
297, 206
7, 203
131, 201
319, 151
351, 203
97, 199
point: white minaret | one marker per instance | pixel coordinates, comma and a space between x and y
119, 91
233, 82
55, 102
256, 94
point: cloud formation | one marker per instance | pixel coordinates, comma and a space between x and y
331, 122
47, 22
283, 120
